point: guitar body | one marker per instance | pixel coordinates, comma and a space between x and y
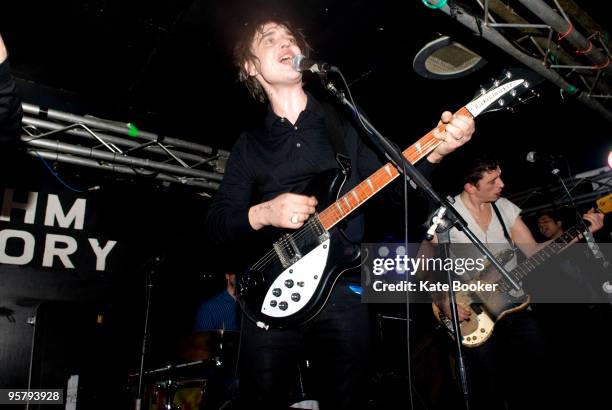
290, 285
486, 308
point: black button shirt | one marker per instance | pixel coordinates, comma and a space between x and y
10, 106
282, 157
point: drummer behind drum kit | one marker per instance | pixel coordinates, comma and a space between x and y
204, 382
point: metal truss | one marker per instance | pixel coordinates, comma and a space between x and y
585, 188
579, 65
118, 147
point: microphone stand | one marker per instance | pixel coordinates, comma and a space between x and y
145, 337
451, 214
588, 236
456, 220
440, 224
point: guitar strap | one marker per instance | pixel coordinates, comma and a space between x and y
334, 129
503, 225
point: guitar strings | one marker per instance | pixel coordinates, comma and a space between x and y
270, 255
309, 226
556, 246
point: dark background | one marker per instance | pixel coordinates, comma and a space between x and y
166, 66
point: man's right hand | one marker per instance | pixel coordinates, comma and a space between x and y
462, 311
285, 211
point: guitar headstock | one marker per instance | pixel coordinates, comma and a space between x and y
514, 86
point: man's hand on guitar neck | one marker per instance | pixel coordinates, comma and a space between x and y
459, 130
285, 211
595, 218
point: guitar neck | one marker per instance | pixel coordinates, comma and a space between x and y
381, 178
552, 249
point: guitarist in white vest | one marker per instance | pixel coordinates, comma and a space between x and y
509, 370
264, 178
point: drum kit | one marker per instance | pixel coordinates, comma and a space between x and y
204, 381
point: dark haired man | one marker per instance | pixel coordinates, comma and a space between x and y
550, 225
508, 370
265, 175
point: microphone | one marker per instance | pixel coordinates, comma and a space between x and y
534, 157
302, 63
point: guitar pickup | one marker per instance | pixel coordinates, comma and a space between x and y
287, 250
319, 230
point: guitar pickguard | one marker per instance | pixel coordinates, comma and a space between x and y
294, 287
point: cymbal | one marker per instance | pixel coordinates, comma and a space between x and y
171, 369
206, 344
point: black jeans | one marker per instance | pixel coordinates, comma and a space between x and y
512, 369
336, 344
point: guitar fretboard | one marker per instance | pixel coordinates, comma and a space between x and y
556, 246
381, 178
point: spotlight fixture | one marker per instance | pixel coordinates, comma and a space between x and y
445, 59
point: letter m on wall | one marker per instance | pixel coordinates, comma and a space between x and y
55, 212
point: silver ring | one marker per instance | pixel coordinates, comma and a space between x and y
294, 219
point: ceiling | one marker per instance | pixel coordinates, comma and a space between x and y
166, 66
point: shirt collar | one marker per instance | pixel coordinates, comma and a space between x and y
312, 106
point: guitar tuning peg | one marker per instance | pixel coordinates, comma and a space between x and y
482, 90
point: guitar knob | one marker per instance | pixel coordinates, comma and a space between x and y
289, 283
283, 306
295, 297
276, 292
273, 303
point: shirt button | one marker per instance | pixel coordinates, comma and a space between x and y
295, 128
282, 120
298, 145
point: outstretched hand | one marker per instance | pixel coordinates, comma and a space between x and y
3, 52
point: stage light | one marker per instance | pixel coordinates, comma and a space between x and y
610, 159
443, 59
